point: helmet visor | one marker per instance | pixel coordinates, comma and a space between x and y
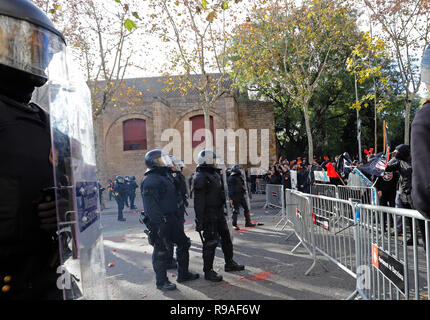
164, 161
27, 47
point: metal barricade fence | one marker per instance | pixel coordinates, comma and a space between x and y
333, 230
364, 195
297, 212
327, 190
275, 198
366, 241
390, 268
260, 186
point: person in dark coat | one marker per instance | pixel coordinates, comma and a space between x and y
404, 185
303, 179
161, 207
237, 194
420, 147
182, 202
120, 191
132, 191
29, 252
211, 223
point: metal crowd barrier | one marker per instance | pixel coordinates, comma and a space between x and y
275, 198
297, 211
260, 186
365, 195
333, 229
390, 269
366, 242
328, 190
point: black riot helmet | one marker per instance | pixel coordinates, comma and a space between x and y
207, 158
236, 169
28, 42
119, 179
157, 159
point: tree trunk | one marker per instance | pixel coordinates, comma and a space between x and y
407, 119
308, 130
376, 117
208, 140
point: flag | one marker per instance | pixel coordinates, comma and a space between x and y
331, 171
344, 164
375, 167
387, 141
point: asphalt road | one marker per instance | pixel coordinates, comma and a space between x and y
271, 272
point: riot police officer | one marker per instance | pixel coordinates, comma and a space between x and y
209, 203
127, 197
132, 190
120, 192
182, 200
237, 193
28, 248
161, 207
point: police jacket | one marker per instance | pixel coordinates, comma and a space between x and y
25, 169
132, 187
120, 191
181, 189
404, 185
420, 153
159, 195
235, 187
209, 197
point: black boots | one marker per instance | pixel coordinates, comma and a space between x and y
248, 223
167, 286
213, 276
233, 266
189, 276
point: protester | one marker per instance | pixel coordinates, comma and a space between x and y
420, 147
403, 166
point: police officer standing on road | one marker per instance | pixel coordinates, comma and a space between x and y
28, 224
237, 193
132, 186
161, 207
120, 191
182, 199
209, 203
127, 198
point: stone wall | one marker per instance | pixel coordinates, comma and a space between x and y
161, 114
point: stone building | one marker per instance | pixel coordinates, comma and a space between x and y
124, 134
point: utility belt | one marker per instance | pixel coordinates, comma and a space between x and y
152, 229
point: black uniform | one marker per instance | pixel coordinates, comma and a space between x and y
209, 202
25, 170
182, 203
237, 193
120, 191
132, 192
160, 205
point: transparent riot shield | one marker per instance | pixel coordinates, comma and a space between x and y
82, 274
248, 201
227, 200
